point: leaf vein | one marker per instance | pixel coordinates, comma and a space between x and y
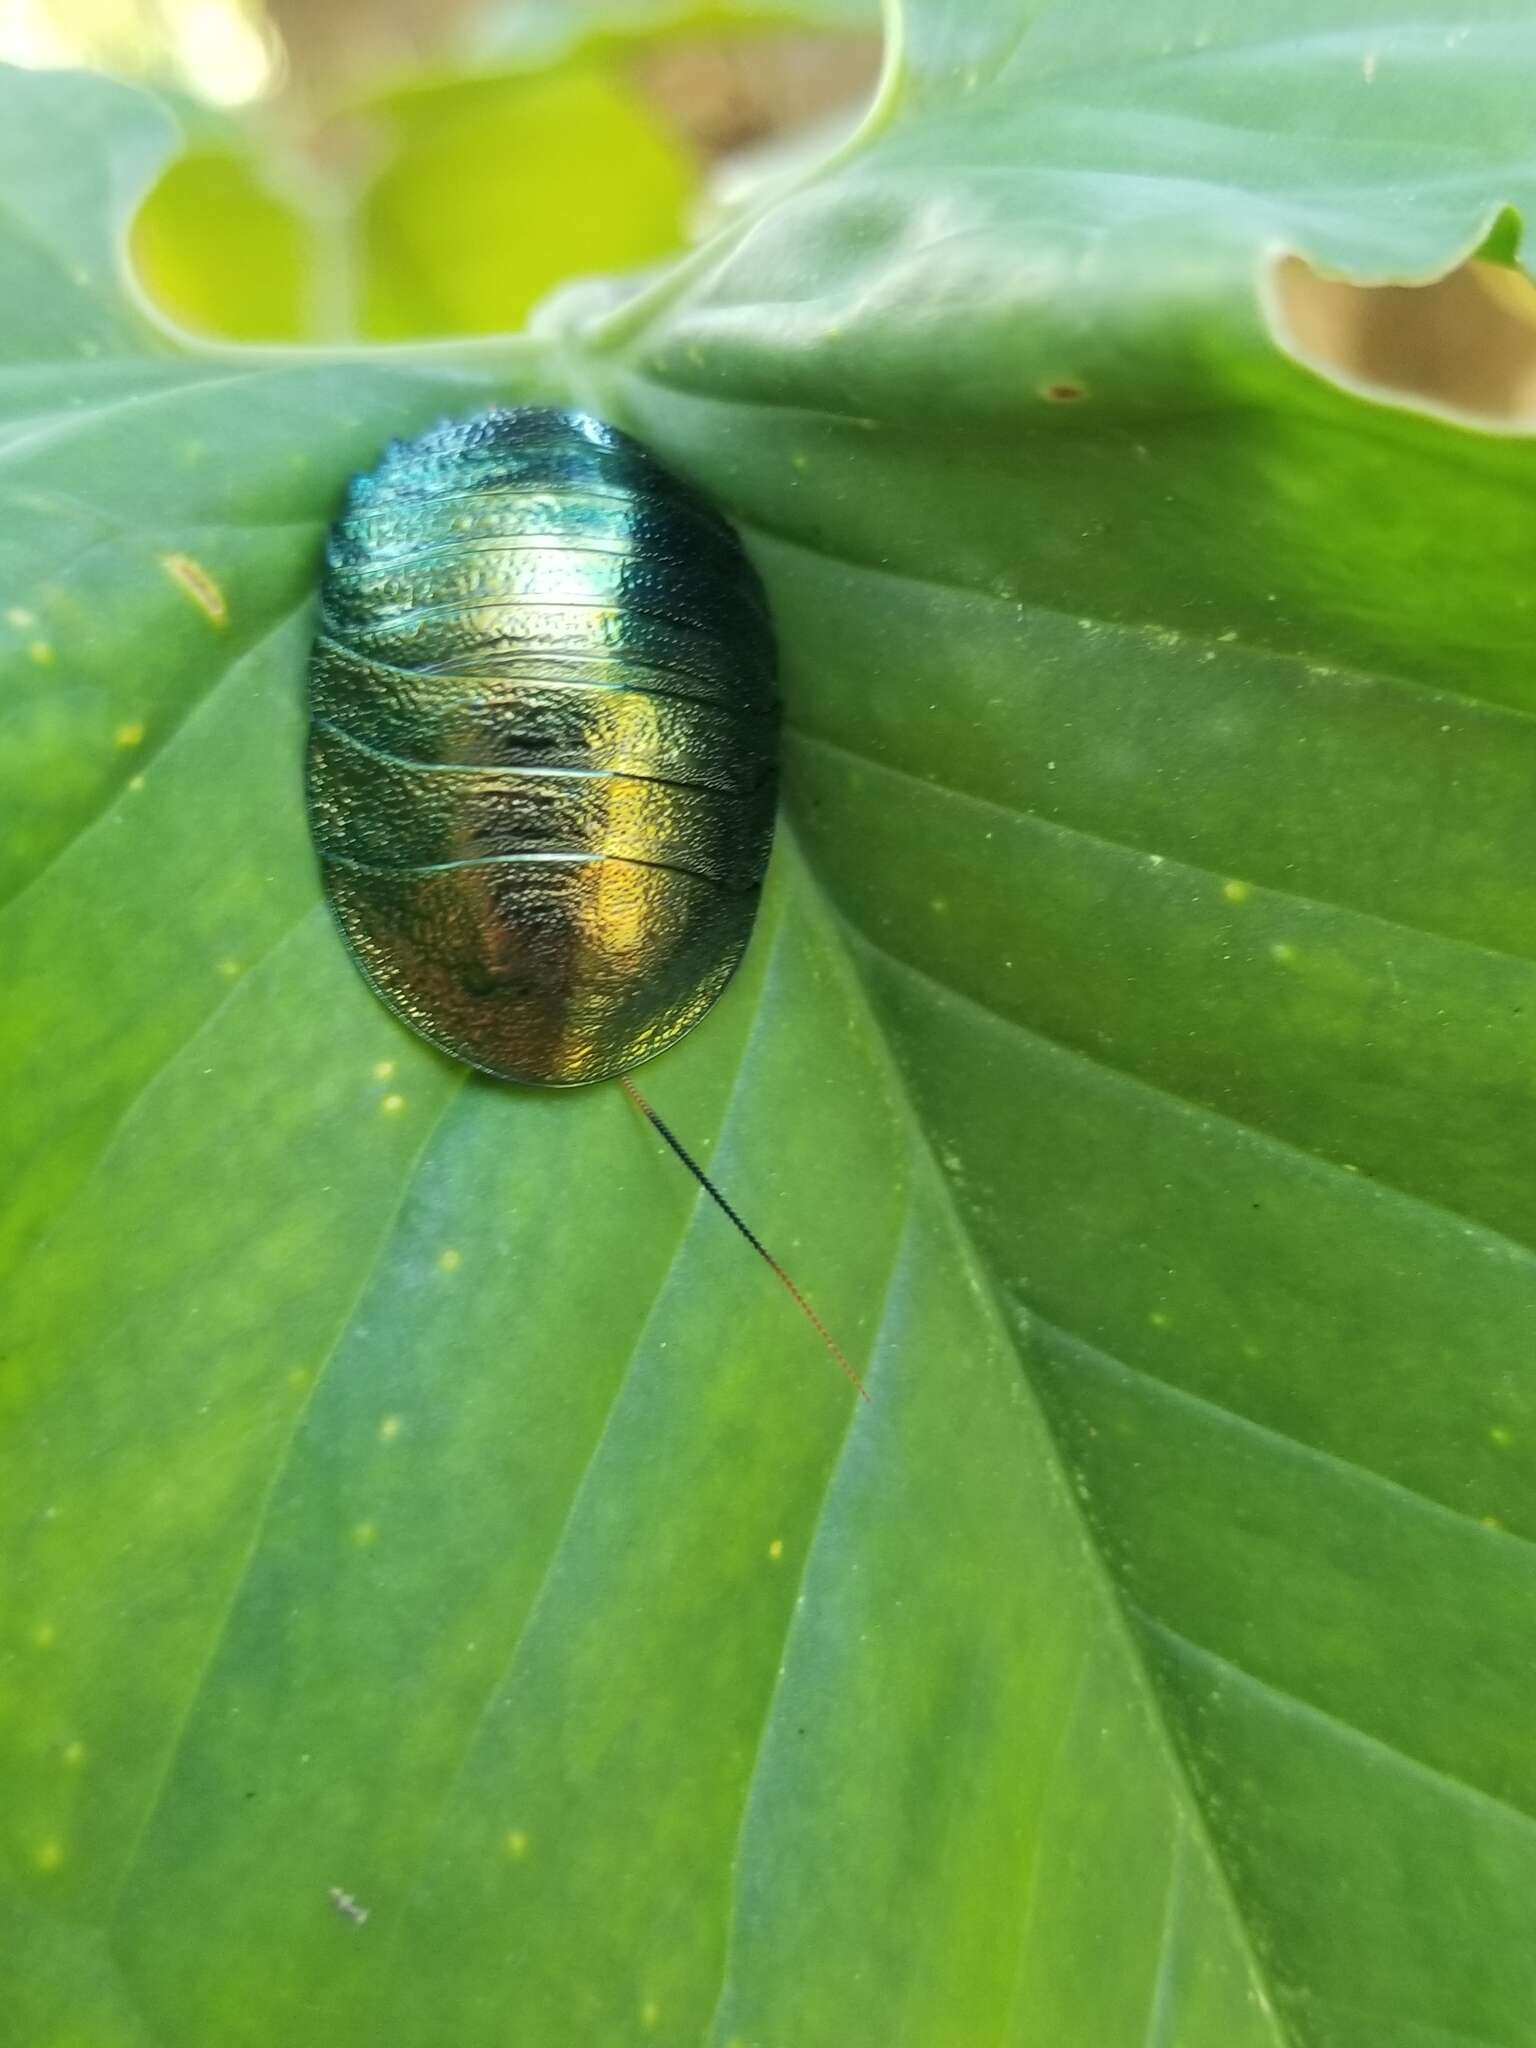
1190, 1106
192, 711
1228, 1418
1345, 1733
900, 1254
1023, 813
230, 1600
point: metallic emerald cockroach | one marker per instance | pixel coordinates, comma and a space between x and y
543, 752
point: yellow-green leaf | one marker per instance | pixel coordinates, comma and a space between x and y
224, 254
496, 189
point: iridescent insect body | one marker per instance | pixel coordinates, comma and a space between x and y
543, 756
543, 752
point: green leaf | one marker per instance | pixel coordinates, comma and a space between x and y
224, 253
497, 188
453, 202
410, 1493
466, 200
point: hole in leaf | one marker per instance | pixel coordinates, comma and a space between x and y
1465, 343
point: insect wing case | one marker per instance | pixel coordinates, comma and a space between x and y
543, 743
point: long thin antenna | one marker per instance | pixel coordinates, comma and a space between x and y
752, 1238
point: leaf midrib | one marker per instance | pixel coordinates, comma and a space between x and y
1120, 1620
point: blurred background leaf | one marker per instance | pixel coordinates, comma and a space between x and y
227, 254
406, 172
496, 189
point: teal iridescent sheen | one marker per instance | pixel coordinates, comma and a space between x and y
543, 743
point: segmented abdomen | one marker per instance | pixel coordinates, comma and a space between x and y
543, 743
